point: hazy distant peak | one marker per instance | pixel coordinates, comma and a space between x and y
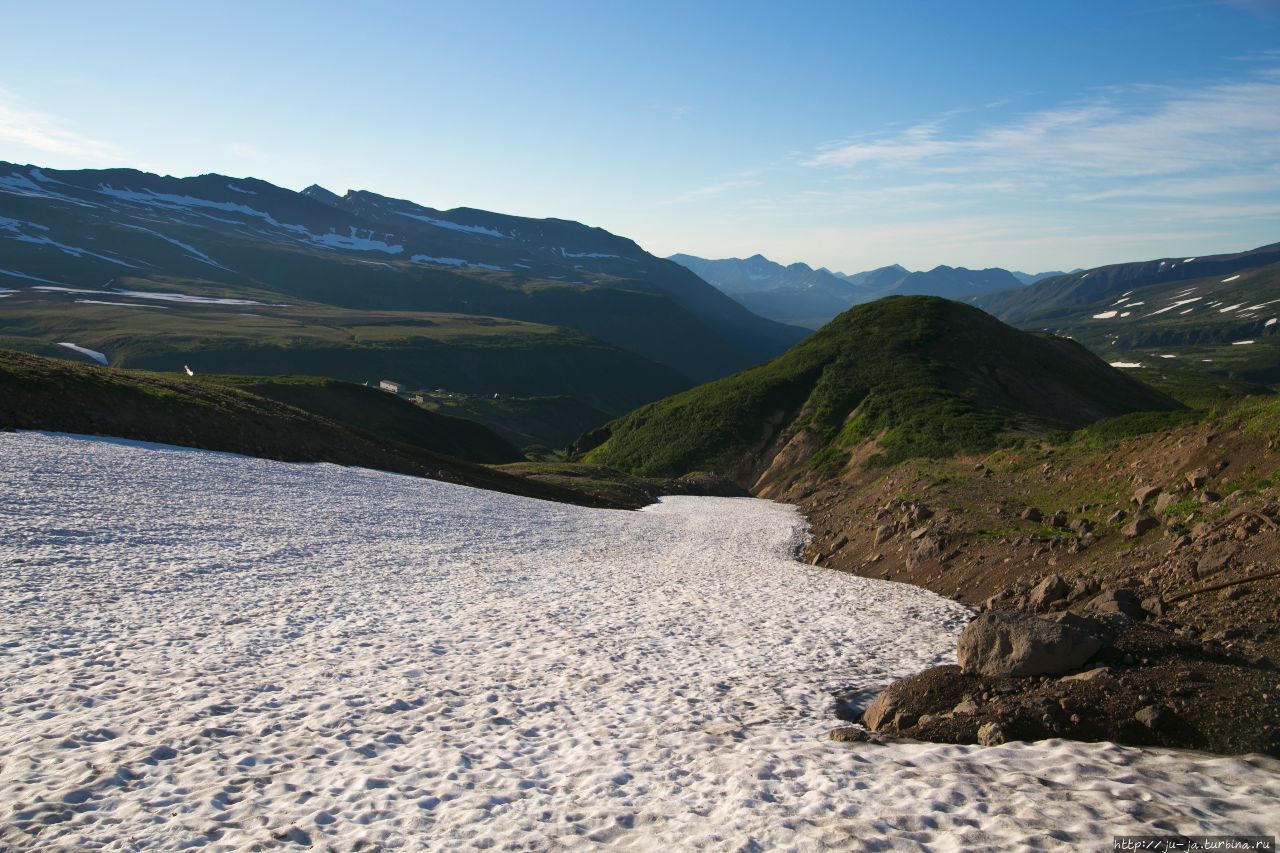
321, 194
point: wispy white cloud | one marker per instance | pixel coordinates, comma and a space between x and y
717, 189
42, 132
1119, 134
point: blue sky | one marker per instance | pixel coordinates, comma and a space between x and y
1028, 135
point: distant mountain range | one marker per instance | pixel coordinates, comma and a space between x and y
809, 297
1214, 314
236, 275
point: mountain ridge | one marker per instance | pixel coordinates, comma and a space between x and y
798, 293
364, 251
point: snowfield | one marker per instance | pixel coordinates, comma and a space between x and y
209, 650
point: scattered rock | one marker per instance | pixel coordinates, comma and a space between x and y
1089, 674
1032, 514
968, 706
1116, 517
1083, 588
1018, 644
1165, 501
881, 709
1219, 560
990, 734
1082, 526
1152, 716
1059, 519
1154, 605
1115, 601
1145, 494
1139, 526
856, 734
1208, 497
1197, 478
883, 533
1048, 591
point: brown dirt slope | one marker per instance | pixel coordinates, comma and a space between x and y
1192, 586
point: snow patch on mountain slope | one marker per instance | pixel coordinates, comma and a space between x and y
16, 274
355, 242
455, 226
147, 294
91, 353
195, 253
455, 262
347, 658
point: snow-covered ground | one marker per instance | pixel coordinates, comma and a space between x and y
204, 649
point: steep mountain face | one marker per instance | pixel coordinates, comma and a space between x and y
245, 242
1032, 278
1064, 296
1220, 327
795, 294
954, 282
878, 280
898, 378
810, 297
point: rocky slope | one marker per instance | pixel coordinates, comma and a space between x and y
1156, 551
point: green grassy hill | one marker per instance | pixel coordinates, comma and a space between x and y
917, 376
219, 413
474, 354
380, 414
551, 423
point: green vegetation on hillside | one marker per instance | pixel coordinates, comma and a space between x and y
211, 413
381, 414
923, 376
475, 354
548, 423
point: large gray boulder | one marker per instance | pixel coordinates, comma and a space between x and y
999, 643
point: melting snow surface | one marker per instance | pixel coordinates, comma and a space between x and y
1105, 315
1188, 260
118, 304
1177, 304
1168, 356
1230, 308
195, 253
454, 262
19, 231
15, 274
1270, 322
355, 242
1240, 343
1126, 364
565, 254
455, 226
344, 658
163, 297
1233, 278
92, 353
